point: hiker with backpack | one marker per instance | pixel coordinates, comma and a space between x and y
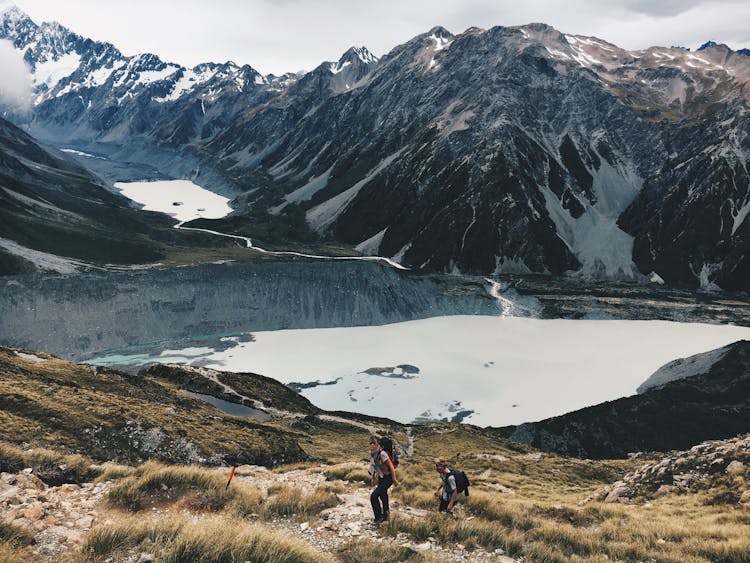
386, 471
452, 482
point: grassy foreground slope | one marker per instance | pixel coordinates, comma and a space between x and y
312, 504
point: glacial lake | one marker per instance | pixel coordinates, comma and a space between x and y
488, 371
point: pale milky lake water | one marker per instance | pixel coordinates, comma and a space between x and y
506, 370
194, 202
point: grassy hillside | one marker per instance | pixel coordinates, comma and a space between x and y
311, 502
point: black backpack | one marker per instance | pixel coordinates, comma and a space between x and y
389, 448
462, 481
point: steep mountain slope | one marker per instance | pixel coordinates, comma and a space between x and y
474, 153
55, 215
508, 150
708, 403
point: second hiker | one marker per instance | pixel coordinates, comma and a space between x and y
448, 486
452, 482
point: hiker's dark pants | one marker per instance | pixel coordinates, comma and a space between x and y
380, 494
444, 504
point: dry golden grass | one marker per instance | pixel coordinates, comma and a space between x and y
8, 554
200, 489
50, 466
212, 539
543, 521
110, 539
352, 473
74, 408
286, 502
676, 529
367, 551
14, 536
112, 471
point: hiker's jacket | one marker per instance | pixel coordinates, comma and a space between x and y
449, 485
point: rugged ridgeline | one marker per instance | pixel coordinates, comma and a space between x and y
703, 397
76, 316
465, 152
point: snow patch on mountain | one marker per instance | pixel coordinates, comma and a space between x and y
187, 82
51, 72
313, 186
740, 217
508, 265
440, 42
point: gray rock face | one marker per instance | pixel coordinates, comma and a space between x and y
78, 316
699, 364
510, 150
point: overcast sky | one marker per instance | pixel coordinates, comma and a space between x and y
290, 35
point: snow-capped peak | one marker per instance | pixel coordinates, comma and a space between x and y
356, 56
365, 55
12, 17
7, 6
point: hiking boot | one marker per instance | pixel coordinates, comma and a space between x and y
386, 516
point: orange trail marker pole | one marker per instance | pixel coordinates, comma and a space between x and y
231, 474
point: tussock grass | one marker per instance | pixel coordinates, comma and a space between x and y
128, 533
351, 473
336, 487
213, 539
445, 529
286, 501
366, 551
14, 536
201, 489
54, 468
10, 555
222, 541
113, 471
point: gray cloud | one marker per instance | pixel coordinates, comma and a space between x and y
668, 8
665, 8
15, 87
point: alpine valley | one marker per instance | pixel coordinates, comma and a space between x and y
522, 250
507, 150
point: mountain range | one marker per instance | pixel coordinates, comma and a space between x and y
509, 150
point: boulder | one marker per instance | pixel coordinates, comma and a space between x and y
735, 468
618, 493
34, 512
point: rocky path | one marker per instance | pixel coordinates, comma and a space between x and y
351, 518
60, 517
